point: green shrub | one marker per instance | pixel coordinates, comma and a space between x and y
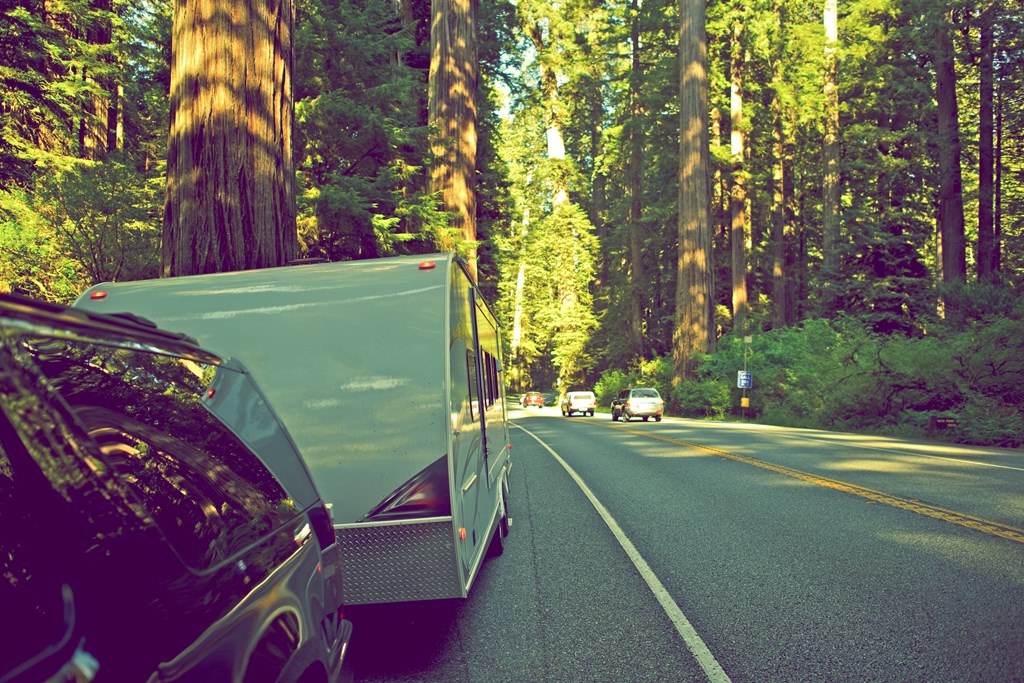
710, 398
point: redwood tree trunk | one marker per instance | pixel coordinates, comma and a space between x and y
694, 323
230, 201
454, 70
738, 192
636, 187
987, 246
830, 200
952, 243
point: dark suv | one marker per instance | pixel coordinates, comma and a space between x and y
143, 538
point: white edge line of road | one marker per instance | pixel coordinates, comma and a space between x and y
712, 669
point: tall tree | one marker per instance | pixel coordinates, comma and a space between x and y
636, 187
952, 243
987, 245
230, 181
454, 70
830, 206
781, 227
738, 191
694, 319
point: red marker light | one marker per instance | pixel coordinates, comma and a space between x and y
462, 533
98, 294
210, 392
427, 265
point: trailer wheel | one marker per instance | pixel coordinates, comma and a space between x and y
615, 416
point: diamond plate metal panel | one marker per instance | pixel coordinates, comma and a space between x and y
399, 563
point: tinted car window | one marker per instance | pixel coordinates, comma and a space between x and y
67, 520
121, 518
208, 493
645, 393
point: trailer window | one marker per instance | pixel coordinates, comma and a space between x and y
474, 410
491, 393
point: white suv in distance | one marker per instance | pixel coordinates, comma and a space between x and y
578, 402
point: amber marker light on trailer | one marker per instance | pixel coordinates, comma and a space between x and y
427, 265
98, 294
462, 533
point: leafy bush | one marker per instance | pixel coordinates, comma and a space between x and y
711, 398
611, 383
838, 374
31, 262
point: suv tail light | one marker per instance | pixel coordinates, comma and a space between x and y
320, 518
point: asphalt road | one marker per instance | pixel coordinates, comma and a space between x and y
693, 551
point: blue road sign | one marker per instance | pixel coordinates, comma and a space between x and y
744, 379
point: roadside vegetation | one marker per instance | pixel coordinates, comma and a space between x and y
838, 374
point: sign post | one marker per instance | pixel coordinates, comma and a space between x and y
745, 379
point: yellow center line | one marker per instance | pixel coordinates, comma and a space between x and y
920, 507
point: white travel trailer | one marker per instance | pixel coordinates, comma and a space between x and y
387, 372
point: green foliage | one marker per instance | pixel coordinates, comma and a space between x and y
558, 314
841, 375
30, 261
711, 398
362, 135
106, 217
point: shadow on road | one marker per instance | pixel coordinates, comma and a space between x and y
400, 641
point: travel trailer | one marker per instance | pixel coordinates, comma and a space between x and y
388, 375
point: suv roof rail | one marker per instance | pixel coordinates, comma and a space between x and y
123, 320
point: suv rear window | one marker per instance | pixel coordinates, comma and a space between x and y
645, 393
209, 494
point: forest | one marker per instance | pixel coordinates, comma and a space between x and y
828, 194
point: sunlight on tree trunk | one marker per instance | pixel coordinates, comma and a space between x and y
830, 208
636, 188
452, 105
987, 246
230, 181
738, 193
694, 322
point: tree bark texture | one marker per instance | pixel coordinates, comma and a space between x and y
781, 230
831, 195
454, 71
230, 201
987, 246
738, 191
636, 188
98, 127
952, 243
694, 323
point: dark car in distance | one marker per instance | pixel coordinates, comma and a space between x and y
158, 522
